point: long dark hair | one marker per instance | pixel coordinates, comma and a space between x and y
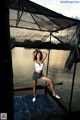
41, 55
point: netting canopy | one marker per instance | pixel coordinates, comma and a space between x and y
37, 22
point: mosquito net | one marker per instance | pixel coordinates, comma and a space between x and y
31, 21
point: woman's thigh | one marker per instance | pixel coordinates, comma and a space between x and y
46, 79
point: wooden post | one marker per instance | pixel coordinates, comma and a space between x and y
6, 74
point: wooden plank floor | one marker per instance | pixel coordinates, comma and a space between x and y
25, 109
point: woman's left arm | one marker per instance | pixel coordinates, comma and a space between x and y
44, 56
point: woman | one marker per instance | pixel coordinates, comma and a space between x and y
38, 58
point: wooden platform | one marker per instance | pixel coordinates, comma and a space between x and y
25, 109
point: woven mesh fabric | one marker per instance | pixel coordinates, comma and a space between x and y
37, 22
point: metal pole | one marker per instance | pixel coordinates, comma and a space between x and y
48, 63
48, 55
72, 86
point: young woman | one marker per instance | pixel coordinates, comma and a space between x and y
38, 58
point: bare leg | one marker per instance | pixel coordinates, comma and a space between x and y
51, 84
34, 87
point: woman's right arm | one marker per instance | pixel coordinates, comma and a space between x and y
44, 55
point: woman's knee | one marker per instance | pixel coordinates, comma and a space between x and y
35, 83
51, 81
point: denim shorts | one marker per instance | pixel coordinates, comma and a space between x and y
36, 76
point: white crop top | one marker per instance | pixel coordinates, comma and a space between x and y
38, 66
